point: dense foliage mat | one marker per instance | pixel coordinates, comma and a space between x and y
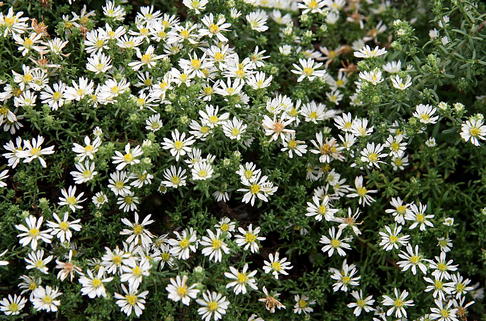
242, 160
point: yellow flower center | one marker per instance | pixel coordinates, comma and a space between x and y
216, 244
335, 243
146, 58
71, 200
255, 188
64, 226
117, 259
131, 299
212, 306
182, 290
178, 145
276, 266
250, 237
137, 229
361, 191
415, 259
47, 299
96, 283
137, 271
474, 131
34, 232
242, 278
13, 307
184, 243
308, 71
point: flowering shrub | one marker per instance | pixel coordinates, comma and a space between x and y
243, 160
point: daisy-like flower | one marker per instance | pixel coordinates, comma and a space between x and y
85, 172
241, 279
202, 171
214, 246
345, 277
46, 299
425, 114
444, 311
441, 267
392, 239
400, 83
333, 243
70, 199
153, 123
226, 225
399, 210
320, 208
411, 259
362, 192
417, 215
328, 150
179, 145
361, 304
54, 97
36, 260
248, 238
138, 234
134, 271
233, 129
93, 285
180, 291
33, 150
214, 28
61, 228
174, 177
88, 150
303, 304
213, 306
372, 154
114, 260
184, 243
148, 59
84, 88
99, 63
196, 5
276, 265
367, 52
32, 232
129, 158
308, 69
373, 76
473, 130
276, 128
398, 303
67, 268
311, 6
257, 187
440, 288
271, 301
259, 80
128, 202
12, 305
257, 20
131, 301
292, 145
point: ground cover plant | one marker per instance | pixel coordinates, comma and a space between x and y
242, 160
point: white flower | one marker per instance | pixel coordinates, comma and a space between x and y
371, 155
185, 243
444, 311
196, 5
344, 277
362, 192
180, 291
425, 114
93, 285
308, 69
257, 187
392, 239
174, 177
241, 279
397, 303
276, 265
36, 260
131, 300
302, 304
179, 145
70, 199
139, 235
276, 128
233, 129
202, 171
442, 267
361, 304
214, 306
134, 271
45, 299
333, 243
473, 130
85, 172
114, 260
88, 150
320, 208
257, 20
248, 238
12, 305
99, 63
400, 83
367, 52
417, 215
33, 150
32, 232
148, 59
153, 123
373, 76
440, 288
214, 246
411, 260
62, 228
129, 158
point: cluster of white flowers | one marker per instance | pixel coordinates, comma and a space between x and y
170, 55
